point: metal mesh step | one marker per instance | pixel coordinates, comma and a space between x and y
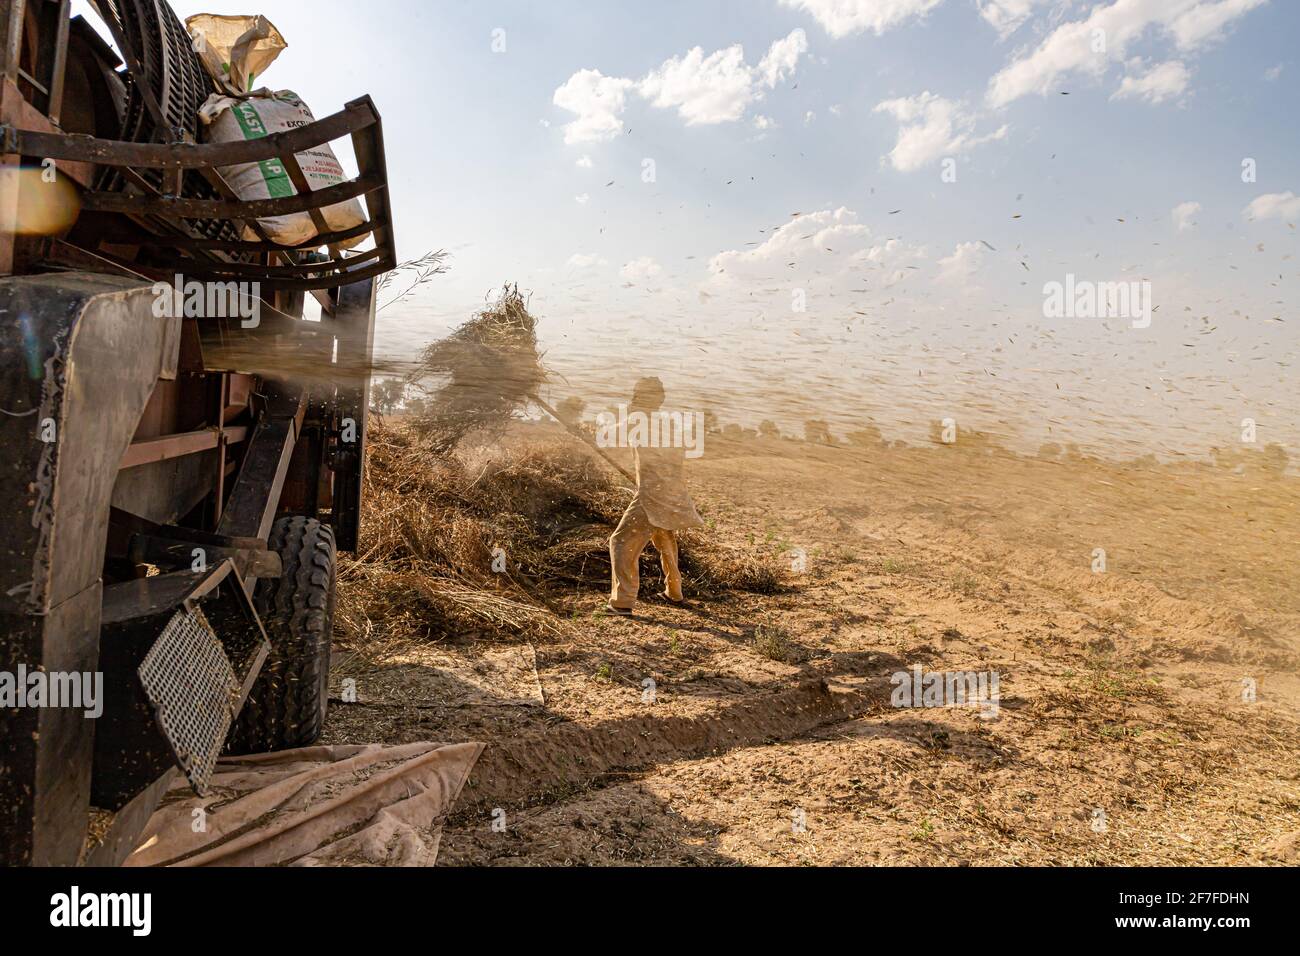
194, 692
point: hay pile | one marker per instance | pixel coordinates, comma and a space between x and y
479, 376
435, 525
515, 542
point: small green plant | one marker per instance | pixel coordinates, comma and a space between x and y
895, 566
923, 832
1119, 683
605, 672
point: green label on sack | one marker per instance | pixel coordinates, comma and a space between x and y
278, 185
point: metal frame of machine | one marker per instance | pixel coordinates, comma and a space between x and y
136, 440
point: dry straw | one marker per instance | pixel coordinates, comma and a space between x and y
481, 375
435, 527
506, 544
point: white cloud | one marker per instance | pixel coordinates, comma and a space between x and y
782, 58
764, 122
931, 127
803, 235
966, 260
1007, 16
1204, 22
1155, 85
829, 247
1104, 37
598, 101
586, 260
643, 269
585, 161
705, 89
809, 118
840, 18
1273, 72
839, 268
718, 88
1182, 215
1274, 206
582, 199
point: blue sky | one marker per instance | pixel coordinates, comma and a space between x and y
474, 168
486, 131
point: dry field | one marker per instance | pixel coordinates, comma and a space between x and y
1124, 733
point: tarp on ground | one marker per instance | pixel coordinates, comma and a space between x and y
340, 805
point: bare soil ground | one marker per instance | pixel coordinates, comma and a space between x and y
1123, 735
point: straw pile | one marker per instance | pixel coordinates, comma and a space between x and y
435, 525
480, 375
508, 543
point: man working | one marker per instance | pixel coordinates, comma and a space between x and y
661, 507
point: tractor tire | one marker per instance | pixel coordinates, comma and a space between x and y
286, 707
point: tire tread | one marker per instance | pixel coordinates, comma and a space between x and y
286, 707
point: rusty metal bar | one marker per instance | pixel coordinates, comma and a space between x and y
11, 109
301, 185
256, 494
223, 440
228, 209
368, 145
268, 284
11, 22
178, 446
227, 245
173, 553
234, 269
58, 68
325, 282
357, 115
